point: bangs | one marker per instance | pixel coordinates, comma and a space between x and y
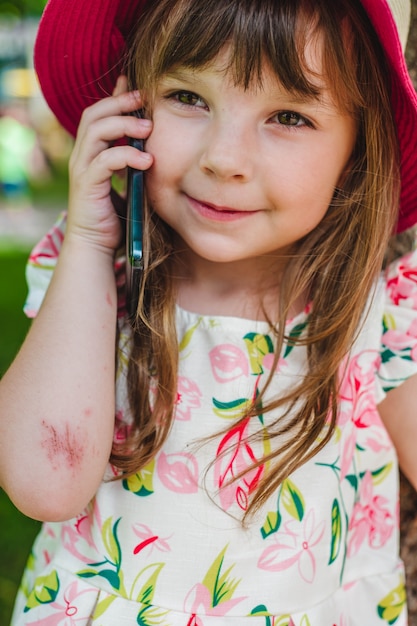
191, 33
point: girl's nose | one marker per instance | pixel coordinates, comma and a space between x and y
227, 153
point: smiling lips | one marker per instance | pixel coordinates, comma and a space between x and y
218, 213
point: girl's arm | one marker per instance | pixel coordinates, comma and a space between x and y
399, 414
57, 398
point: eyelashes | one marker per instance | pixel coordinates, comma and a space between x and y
286, 118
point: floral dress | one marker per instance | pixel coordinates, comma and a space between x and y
166, 547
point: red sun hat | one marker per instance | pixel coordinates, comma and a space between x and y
81, 43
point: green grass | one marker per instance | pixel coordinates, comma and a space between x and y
16, 531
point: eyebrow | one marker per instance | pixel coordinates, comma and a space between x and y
184, 75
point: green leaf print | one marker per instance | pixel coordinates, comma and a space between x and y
188, 335
141, 483
111, 541
283, 620
112, 576
294, 334
146, 593
387, 355
152, 616
221, 587
292, 499
388, 322
336, 532
258, 346
379, 475
391, 607
231, 410
143, 591
262, 611
110, 567
271, 524
45, 590
102, 606
353, 480
293, 502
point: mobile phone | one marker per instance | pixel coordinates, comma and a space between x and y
134, 231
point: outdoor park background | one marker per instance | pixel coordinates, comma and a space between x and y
24, 220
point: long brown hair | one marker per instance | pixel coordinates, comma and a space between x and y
336, 264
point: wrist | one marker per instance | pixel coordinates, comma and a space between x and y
86, 245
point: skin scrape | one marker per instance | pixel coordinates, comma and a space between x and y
62, 446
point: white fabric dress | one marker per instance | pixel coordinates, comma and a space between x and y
166, 546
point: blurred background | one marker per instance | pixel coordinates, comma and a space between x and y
34, 152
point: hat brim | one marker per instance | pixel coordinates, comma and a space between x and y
79, 54
404, 105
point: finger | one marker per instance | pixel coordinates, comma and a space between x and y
108, 161
121, 85
103, 132
122, 104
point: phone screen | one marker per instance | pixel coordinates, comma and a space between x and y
134, 232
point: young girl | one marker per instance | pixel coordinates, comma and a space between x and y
251, 479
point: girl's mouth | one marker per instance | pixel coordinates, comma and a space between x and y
218, 213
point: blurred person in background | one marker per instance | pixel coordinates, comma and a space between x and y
21, 157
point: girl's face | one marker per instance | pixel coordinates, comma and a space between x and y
244, 174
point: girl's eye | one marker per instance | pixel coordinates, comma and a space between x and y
189, 98
290, 118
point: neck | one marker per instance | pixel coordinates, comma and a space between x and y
247, 288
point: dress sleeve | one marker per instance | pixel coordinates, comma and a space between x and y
399, 324
41, 265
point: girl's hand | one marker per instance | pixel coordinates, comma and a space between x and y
95, 158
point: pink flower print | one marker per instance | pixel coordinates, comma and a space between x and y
378, 441
398, 341
359, 373
188, 398
348, 451
199, 601
76, 536
294, 545
121, 428
371, 520
149, 539
178, 472
232, 475
412, 329
402, 285
268, 362
228, 362
357, 390
46, 252
75, 608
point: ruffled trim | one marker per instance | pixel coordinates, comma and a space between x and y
60, 597
41, 265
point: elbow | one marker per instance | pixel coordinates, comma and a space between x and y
50, 500
47, 507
